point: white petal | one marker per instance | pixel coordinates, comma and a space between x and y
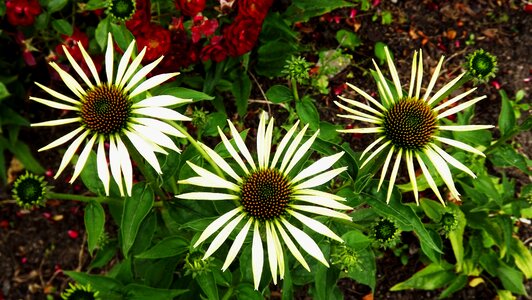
459, 145
373, 119
318, 166
443, 170
142, 74
261, 132
272, 253
413, 75
207, 196
124, 63
222, 236
362, 130
357, 118
306, 242
152, 82
465, 127
283, 143
412, 173
321, 211
371, 146
125, 165
393, 176
57, 122
364, 106
383, 82
161, 100
82, 160
109, 59
445, 88
460, 107
58, 95
103, 169
70, 82
292, 148
291, 246
237, 245
393, 72
374, 153
368, 97
419, 74
90, 63
385, 167
220, 162
453, 100
301, 152
213, 180
114, 161
132, 67
315, 225
318, 193
453, 161
161, 126
232, 151
268, 143
320, 179
145, 150
433, 79
241, 146
216, 225
153, 135
385, 99
161, 113
77, 68
54, 104
63, 139
69, 153
279, 251
257, 256
430, 181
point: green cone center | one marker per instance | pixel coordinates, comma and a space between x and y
105, 109
265, 194
409, 124
482, 64
385, 230
30, 190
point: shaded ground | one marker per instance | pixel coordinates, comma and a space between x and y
36, 245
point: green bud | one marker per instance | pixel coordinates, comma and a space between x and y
386, 233
195, 265
80, 292
121, 10
297, 68
448, 222
344, 257
481, 66
29, 190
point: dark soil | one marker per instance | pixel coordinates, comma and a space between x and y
36, 245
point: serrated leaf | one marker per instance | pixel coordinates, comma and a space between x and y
94, 224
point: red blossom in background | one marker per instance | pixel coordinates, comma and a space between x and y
255, 9
214, 51
141, 17
241, 35
190, 7
22, 12
203, 27
155, 38
71, 44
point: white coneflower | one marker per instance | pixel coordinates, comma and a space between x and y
111, 111
408, 125
269, 199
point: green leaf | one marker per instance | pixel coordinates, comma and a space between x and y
56, 5
101, 33
105, 285
303, 10
146, 232
168, 247
95, 4
507, 115
348, 39
4, 93
94, 224
272, 57
431, 277
325, 280
215, 120
183, 93
241, 89
456, 237
141, 292
380, 53
507, 156
121, 35
136, 208
104, 255
89, 175
356, 240
279, 94
23, 153
62, 27
308, 113
366, 272
511, 279
457, 284
245, 291
208, 285
522, 257
432, 209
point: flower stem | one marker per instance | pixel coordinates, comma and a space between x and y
62, 196
294, 89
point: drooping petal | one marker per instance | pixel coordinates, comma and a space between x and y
315, 225
222, 236
374, 153
82, 160
70, 82
261, 132
459, 145
318, 193
358, 118
90, 63
413, 75
465, 127
57, 122
419, 74
393, 176
318, 166
364, 106
306, 242
216, 225
453, 161
444, 89
124, 62
268, 143
161, 113
161, 126
69, 153
278, 251
362, 130
385, 167
460, 107
272, 253
132, 68
142, 74
109, 59
152, 82
60, 141
323, 201
114, 161
383, 81
207, 196
125, 165
371, 146
373, 119
453, 100
291, 246
145, 150
412, 173
161, 100
443, 170
320, 179
257, 256
237, 245
430, 181
368, 97
153, 135
101, 164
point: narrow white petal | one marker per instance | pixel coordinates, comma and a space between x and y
393, 176
57, 122
232, 151
101, 163
114, 161
152, 82
429, 178
374, 153
433, 79
393, 72
240, 145
318, 166
291, 246
412, 173
368, 148
161, 113
385, 99
283, 143
385, 167
125, 165
306, 242
315, 225
237, 245
301, 152
161, 100
364, 106
153, 135
459, 145
69, 81
69, 153
90, 63
82, 160
322, 201
413, 75
358, 118
161, 126
272, 253
318, 193
122, 65
453, 100
279, 251
460, 107
222, 236
419, 74
320, 179
216, 225
109, 59
213, 179
453, 161
368, 97
362, 130
220, 162
441, 166
321, 211
77, 68
257, 256
132, 67
58, 95
142, 74
60, 141
465, 127
383, 81
261, 132
145, 150
358, 113
54, 104
207, 196
445, 88
268, 143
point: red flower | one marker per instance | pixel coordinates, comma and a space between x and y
241, 35
190, 7
155, 38
203, 27
255, 9
214, 51
71, 44
22, 12
141, 17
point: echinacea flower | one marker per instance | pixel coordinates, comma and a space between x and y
29, 190
408, 125
269, 197
77, 291
108, 112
